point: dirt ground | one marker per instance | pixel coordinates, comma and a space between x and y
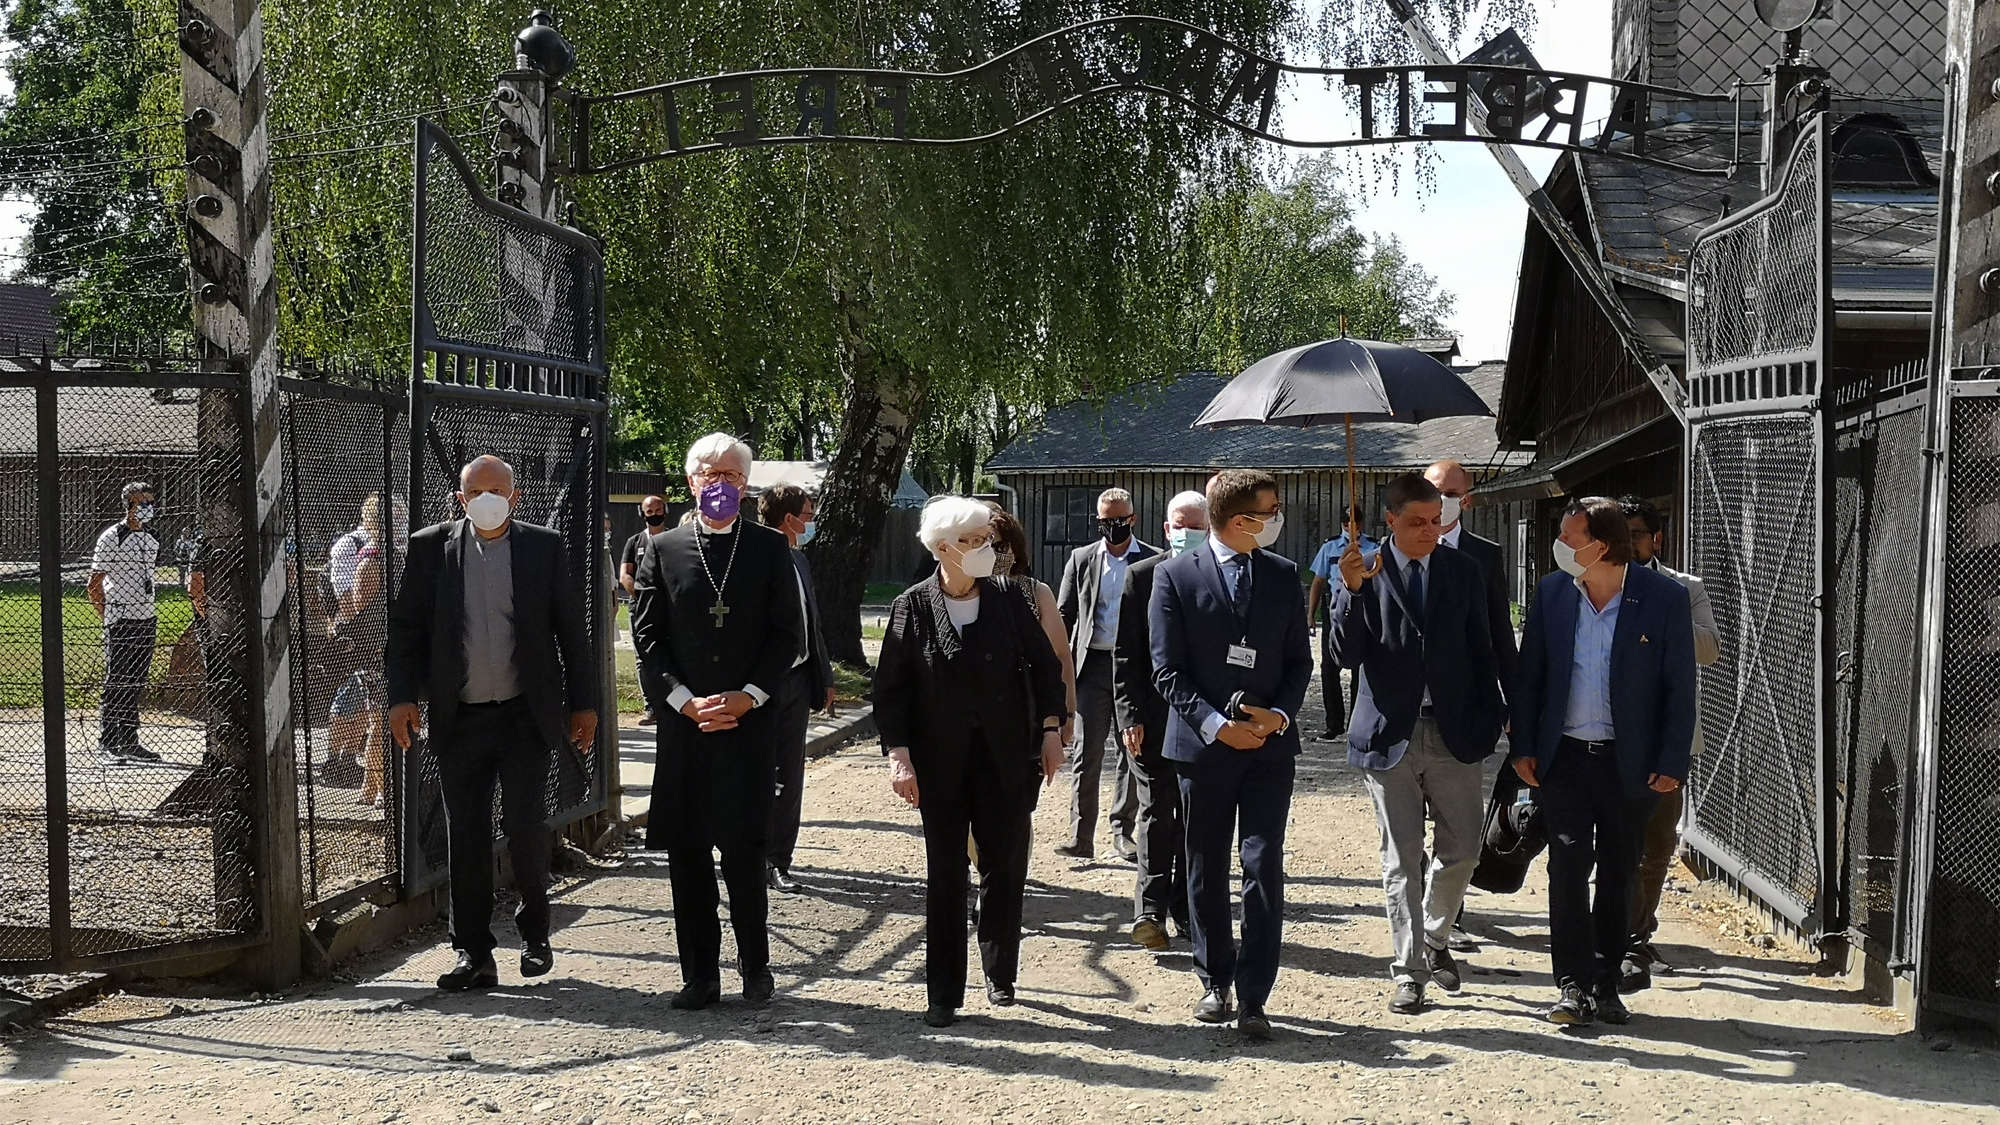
1736, 1034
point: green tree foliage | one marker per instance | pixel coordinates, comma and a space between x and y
827, 301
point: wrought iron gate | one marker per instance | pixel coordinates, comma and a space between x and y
508, 335
1757, 497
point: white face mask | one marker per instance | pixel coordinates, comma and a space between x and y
978, 562
1273, 527
488, 511
1566, 560
1453, 508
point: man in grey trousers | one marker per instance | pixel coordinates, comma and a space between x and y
1414, 624
1093, 584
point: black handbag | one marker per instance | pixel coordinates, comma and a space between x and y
1514, 836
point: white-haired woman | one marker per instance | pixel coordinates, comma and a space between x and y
969, 702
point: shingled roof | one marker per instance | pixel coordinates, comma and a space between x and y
1645, 218
1146, 428
27, 312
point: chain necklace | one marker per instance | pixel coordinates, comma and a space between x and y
718, 610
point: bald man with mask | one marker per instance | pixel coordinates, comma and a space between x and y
487, 627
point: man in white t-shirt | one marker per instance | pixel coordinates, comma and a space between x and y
121, 589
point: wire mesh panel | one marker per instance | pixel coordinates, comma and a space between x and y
1878, 486
1757, 318
508, 361
1964, 951
160, 837
1755, 505
1756, 315
346, 496
24, 811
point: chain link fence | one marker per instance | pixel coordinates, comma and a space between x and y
346, 452
127, 807
1877, 477
1755, 789
1964, 952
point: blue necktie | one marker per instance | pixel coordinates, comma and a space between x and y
1239, 590
1415, 585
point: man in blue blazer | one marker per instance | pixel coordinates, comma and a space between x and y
1604, 718
1232, 659
1427, 714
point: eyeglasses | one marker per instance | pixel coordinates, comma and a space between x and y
710, 476
974, 541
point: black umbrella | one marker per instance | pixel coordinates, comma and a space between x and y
1341, 381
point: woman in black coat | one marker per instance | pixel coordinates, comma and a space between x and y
969, 702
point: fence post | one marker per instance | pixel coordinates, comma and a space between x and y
236, 314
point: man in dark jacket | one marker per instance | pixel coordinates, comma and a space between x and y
808, 688
1232, 659
1427, 714
1160, 892
719, 627
487, 626
1604, 718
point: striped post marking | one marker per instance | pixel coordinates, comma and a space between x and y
236, 315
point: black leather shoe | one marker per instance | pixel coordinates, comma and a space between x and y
537, 959
1073, 851
937, 1015
780, 880
1409, 998
1573, 1009
471, 972
1609, 1006
1254, 1023
697, 995
1126, 849
1444, 969
758, 988
1214, 1006
999, 995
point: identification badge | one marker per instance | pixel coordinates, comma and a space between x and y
1242, 656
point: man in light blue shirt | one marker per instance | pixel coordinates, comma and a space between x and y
1603, 714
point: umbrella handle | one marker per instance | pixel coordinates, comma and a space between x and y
1353, 497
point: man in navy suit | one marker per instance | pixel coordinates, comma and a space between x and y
1232, 659
1428, 713
1604, 717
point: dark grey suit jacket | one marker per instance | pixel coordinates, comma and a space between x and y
425, 654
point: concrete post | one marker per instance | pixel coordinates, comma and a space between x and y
235, 312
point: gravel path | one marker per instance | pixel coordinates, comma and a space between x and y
1101, 1033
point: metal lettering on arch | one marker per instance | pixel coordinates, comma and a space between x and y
1190, 66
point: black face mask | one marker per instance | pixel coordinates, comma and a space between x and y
655, 520
1115, 531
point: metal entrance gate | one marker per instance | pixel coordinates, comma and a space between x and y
1757, 496
508, 320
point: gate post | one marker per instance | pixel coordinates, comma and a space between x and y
236, 314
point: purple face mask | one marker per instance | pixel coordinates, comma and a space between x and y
721, 501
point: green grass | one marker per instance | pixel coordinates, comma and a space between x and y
881, 593
83, 643
873, 632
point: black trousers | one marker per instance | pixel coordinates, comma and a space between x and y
1331, 695
1160, 892
128, 663
496, 743
1243, 799
995, 800
1592, 823
794, 705
713, 794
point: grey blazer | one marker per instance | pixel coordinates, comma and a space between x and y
1707, 639
1077, 598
